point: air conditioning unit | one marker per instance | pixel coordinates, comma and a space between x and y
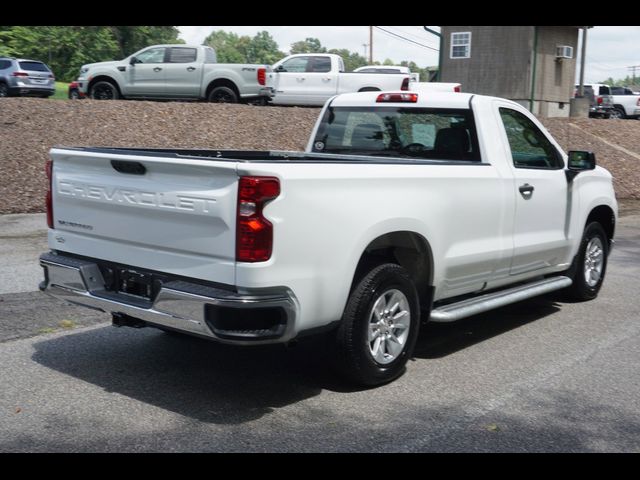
564, 51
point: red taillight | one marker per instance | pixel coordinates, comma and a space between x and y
456, 88
638, 102
49, 198
599, 100
254, 233
20, 74
405, 84
397, 98
262, 76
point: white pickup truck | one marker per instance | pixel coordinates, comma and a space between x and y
625, 102
177, 72
403, 207
311, 79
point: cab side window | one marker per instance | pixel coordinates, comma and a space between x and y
153, 55
296, 64
530, 148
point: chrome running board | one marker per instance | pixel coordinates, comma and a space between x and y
489, 301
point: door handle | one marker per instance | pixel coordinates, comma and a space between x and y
190, 69
526, 190
301, 79
328, 79
157, 69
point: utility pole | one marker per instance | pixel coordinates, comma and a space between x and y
439, 35
365, 45
583, 57
633, 70
371, 45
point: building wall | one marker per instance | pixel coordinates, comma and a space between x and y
555, 80
499, 64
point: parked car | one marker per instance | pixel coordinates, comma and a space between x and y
434, 87
403, 207
24, 77
415, 77
600, 100
177, 72
625, 102
312, 78
74, 92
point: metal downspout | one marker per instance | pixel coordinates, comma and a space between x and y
533, 70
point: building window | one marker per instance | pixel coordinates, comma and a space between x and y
461, 45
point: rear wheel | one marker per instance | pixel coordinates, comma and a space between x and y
618, 113
591, 263
4, 90
379, 327
104, 90
222, 95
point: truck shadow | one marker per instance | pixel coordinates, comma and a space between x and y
223, 384
438, 340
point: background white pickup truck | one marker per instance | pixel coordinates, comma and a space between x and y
183, 72
313, 78
404, 207
625, 102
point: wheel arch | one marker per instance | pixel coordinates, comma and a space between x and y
222, 82
406, 248
605, 216
104, 78
369, 89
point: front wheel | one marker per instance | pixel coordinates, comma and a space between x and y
379, 327
591, 263
104, 91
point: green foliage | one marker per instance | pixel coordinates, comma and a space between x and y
232, 48
65, 49
352, 60
628, 81
308, 45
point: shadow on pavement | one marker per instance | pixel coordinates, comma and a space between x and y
231, 385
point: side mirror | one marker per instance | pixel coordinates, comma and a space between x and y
133, 61
581, 160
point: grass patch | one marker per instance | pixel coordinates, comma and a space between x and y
62, 91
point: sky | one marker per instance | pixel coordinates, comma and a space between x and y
610, 50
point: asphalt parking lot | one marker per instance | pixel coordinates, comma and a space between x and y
541, 375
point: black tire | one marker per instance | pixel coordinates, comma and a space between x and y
594, 239
222, 95
74, 95
104, 90
352, 347
619, 112
4, 90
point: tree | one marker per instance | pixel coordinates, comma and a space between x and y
308, 45
231, 48
130, 39
263, 49
65, 49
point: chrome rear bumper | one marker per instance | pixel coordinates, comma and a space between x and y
179, 305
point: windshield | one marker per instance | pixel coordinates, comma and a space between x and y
447, 134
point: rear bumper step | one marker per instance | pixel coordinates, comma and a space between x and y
201, 310
490, 301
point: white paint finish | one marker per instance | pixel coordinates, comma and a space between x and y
315, 88
328, 213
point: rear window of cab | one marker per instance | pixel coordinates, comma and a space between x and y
441, 134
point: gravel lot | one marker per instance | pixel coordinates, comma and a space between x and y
29, 127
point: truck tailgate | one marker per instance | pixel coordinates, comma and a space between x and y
166, 214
